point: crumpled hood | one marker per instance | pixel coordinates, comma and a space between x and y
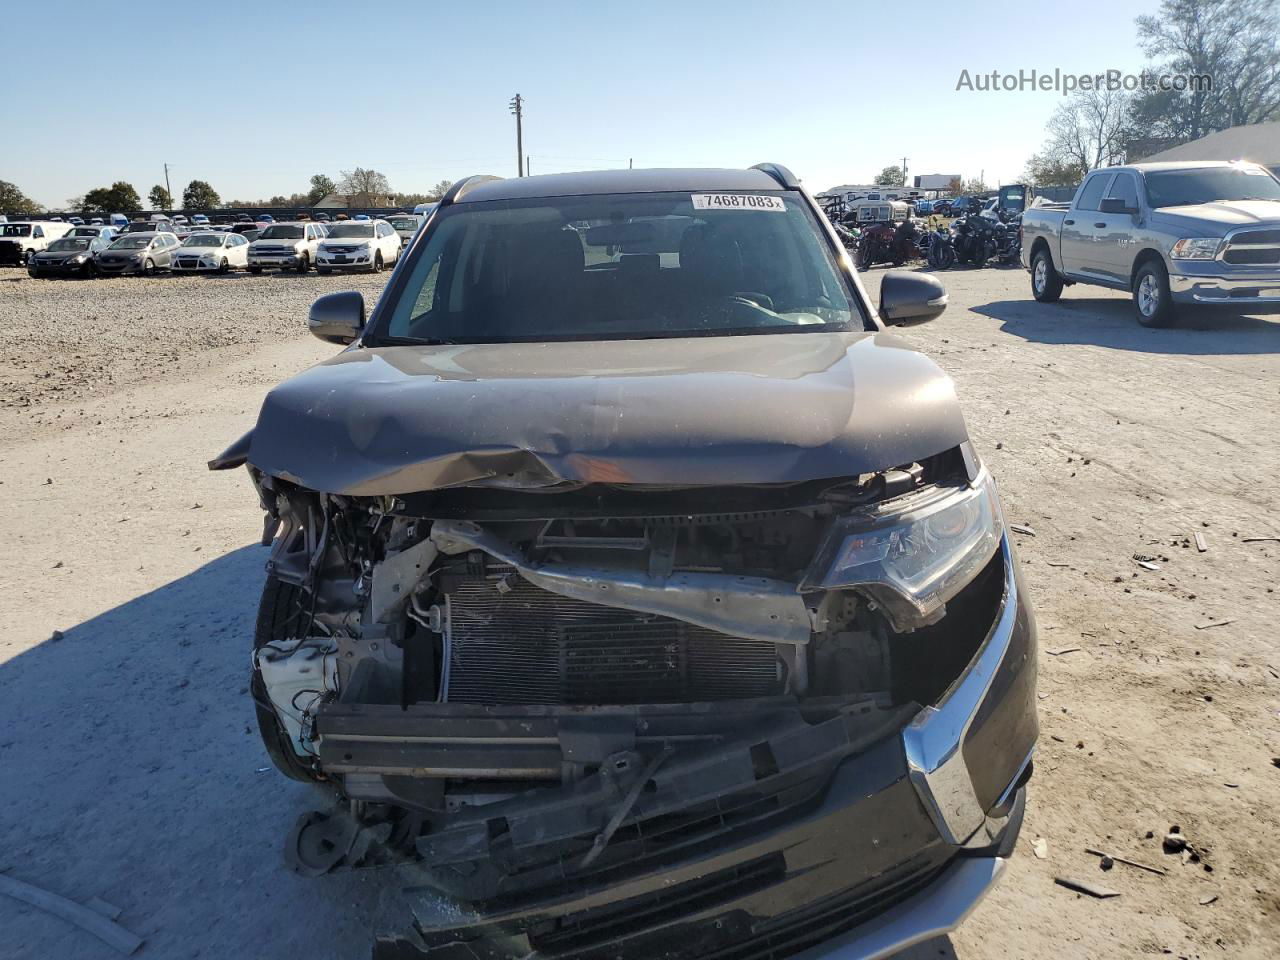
1227, 214
715, 411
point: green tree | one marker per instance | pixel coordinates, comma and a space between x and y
1046, 171
321, 187
13, 200
439, 190
891, 177
160, 198
120, 197
975, 185
199, 195
1236, 43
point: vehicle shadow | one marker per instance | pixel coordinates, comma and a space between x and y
1109, 322
131, 770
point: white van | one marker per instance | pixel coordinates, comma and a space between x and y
21, 241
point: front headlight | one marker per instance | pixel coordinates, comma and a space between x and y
913, 554
1196, 248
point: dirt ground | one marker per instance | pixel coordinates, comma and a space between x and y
129, 575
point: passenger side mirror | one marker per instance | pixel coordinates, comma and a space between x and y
908, 298
1115, 205
337, 317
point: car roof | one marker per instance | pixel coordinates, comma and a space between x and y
589, 183
1183, 165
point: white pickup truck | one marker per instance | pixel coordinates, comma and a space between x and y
1170, 233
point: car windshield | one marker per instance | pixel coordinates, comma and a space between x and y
69, 244
133, 243
141, 228
622, 266
350, 230
204, 240
1176, 188
85, 232
16, 230
281, 231
404, 223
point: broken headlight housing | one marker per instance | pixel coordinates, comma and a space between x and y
913, 554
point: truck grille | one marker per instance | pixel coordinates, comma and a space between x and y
512, 642
1253, 247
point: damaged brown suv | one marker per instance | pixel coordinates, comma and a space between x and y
635, 586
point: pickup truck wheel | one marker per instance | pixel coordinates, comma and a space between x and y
304, 263
1046, 285
276, 613
1151, 296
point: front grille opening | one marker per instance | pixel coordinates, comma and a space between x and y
590, 927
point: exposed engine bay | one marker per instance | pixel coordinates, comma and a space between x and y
500, 679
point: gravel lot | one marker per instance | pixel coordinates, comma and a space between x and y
129, 769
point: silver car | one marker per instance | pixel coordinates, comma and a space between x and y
144, 253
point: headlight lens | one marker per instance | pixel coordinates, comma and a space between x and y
1196, 248
913, 557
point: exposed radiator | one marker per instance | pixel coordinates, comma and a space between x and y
512, 642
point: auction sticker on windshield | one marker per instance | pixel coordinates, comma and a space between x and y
737, 201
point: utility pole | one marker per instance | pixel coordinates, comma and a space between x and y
517, 107
166, 184
528, 166
904, 171
631, 163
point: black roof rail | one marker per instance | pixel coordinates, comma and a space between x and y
780, 173
459, 189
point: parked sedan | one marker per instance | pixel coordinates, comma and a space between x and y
358, 245
69, 257
143, 253
209, 251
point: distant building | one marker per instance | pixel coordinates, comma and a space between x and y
1259, 142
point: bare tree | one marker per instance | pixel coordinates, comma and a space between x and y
1088, 131
363, 183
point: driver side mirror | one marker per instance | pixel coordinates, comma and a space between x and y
908, 298
1115, 205
337, 317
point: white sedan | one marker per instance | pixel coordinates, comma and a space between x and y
358, 245
207, 251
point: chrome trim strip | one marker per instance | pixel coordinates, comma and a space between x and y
934, 911
934, 739
1006, 798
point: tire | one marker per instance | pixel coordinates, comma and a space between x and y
1152, 300
277, 608
865, 256
149, 268
88, 271
224, 266
255, 270
377, 261
1046, 285
33, 273
304, 263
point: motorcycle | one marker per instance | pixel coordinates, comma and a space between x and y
942, 251
851, 237
887, 243
978, 239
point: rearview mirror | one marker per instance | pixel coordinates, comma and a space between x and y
1115, 205
908, 298
337, 317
